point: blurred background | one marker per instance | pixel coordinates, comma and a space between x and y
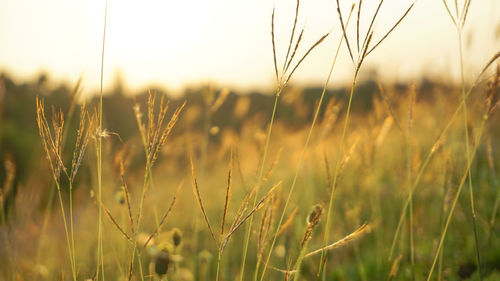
174, 44
217, 56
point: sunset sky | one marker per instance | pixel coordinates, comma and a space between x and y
177, 43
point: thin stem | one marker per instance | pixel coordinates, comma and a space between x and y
424, 166
219, 256
259, 183
306, 145
100, 260
455, 200
408, 170
68, 239
336, 174
467, 150
71, 226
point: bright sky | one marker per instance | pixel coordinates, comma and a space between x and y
183, 42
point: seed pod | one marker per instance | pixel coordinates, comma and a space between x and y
161, 263
314, 216
120, 197
177, 237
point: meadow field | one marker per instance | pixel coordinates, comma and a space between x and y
377, 180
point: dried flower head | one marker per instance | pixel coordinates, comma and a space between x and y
176, 237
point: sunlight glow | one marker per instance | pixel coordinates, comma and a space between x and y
177, 43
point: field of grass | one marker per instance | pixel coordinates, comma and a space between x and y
388, 182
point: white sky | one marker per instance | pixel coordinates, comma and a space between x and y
177, 43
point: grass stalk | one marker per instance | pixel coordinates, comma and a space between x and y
100, 252
259, 182
433, 150
455, 200
467, 151
408, 171
336, 174
301, 159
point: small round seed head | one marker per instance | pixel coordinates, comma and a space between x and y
120, 197
280, 251
162, 262
176, 237
205, 256
314, 215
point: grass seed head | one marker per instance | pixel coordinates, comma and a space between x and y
176, 237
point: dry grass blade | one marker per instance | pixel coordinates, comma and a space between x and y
273, 165
354, 235
449, 12
286, 63
274, 47
305, 55
288, 221
40, 119
224, 93
490, 62
140, 124
157, 129
389, 32
365, 43
343, 30
265, 225
411, 105
228, 193
348, 155
108, 214
257, 207
297, 44
243, 208
151, 118
357, 24
465, 11
127, 195
327, 170
363, 56
388, 106
394, 268
130, 268
164, 218
240, 171
200, 203
52, 148
83, 136
166, 132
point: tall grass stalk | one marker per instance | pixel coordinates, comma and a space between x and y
409, 175
428, 158
53, 150
365, 50
282, 79
467, 151
459, 21
335, 176
302, 156
53, 188
100, 252
455, 200
433, 149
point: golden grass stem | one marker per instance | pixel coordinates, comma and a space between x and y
467, 151
336, 174
259, 180
455, 200
431, 152
301, 159
100, 252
